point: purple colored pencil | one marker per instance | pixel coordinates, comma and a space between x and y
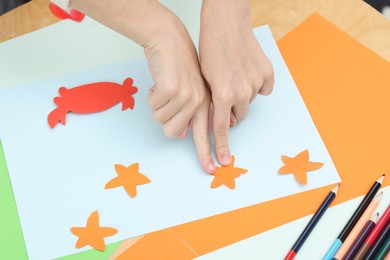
359, 240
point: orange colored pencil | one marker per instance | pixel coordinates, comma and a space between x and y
358, 227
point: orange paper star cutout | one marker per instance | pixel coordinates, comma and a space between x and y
226, 175
129, 178
299, 166
92, 234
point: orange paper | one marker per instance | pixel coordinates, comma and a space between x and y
165, 245
226, 175
346, 88
129, 178
299, 166
93, 235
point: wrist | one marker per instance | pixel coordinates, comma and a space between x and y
167, 26
138, 20
233, 15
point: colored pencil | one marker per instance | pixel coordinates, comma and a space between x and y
384, 250
358, 227
361, 237
354, 218
378, 242
312, 223
373, 235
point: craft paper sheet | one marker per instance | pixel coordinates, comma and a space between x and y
58, 175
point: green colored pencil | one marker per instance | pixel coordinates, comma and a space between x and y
383, 250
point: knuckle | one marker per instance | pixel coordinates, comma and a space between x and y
221, 131
202, 138
185, 96
225, 97
244, 96
198, 100
242, 116
170, 90
169, 87
268, 71
157, 117
169, 131
221, 148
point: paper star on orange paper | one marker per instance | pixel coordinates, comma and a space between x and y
92, 234
226, 175
129, 178
299, 166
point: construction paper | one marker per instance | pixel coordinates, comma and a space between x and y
91, 98
65, 170
93, 234
129, 178
284, 236
11, 236
93, 254
95, 45
346, 89
160, 241
226, 175
9, 218
299, 166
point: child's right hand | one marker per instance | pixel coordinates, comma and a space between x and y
179, 95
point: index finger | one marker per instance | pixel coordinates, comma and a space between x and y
200, 127
221, 132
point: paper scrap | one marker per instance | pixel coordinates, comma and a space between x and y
129, 178
226, 175
299, 166
93, 235
91, 98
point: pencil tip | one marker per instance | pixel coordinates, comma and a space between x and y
380, 180
335, 189
375, 217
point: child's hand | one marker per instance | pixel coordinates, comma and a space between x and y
233, 65
179, 94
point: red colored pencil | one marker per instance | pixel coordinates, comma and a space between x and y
373, 235
378, 242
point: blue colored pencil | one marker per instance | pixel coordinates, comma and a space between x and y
312, 223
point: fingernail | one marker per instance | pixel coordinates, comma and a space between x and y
182, 135
226, 159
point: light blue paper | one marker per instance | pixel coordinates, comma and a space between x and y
58, 176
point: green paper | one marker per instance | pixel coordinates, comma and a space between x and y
93, 254
11, 236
